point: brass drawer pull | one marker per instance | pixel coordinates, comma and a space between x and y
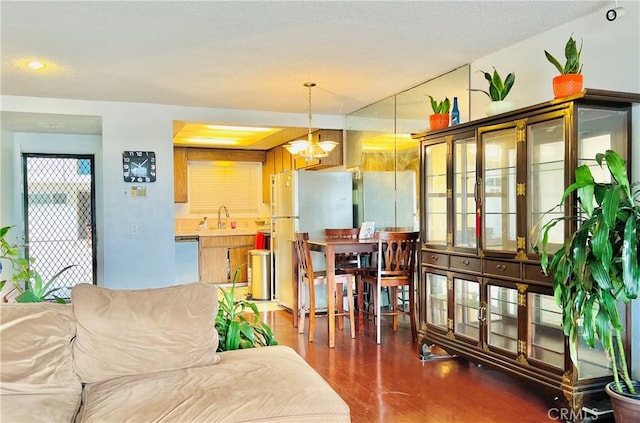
501, 267
465, 262
434, 258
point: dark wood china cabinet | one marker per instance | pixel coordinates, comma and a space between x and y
485, 184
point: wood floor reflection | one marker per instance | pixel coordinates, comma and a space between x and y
388, 382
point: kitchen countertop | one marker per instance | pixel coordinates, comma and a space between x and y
217, 232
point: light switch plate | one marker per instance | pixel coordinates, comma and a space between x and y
137, 191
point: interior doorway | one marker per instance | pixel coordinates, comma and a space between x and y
59, 216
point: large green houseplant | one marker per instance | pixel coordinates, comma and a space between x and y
597, 268
238, 322
25, 278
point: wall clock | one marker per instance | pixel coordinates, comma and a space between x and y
139, 166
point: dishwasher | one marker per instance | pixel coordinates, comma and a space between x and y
187, 259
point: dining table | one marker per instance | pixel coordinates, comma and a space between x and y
330, 247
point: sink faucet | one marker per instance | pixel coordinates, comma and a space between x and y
226, 212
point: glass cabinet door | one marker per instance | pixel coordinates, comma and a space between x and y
464, 194
545, 185
437, 297
467, 308
594, 362
435, 180
545, 335
600, 130
499, 229
502, 324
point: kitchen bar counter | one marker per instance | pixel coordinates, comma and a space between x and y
217, 232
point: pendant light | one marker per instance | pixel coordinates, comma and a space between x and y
307, 149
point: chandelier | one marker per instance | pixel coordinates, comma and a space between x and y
307, 149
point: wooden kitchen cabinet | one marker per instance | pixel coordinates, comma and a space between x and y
268, 169
239, 255
484, 186
180, 184
220, 256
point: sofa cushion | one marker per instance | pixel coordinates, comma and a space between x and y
36, 349
268, 384
44, 408
131, 332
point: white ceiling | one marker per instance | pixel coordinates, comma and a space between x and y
256, 55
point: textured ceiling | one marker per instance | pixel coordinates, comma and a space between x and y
257, 55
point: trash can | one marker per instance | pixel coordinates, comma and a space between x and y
259, 275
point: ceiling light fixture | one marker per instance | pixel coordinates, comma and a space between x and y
35, 65
307, 149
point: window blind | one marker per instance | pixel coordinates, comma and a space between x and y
215, 184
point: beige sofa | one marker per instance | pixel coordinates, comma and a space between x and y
147, 356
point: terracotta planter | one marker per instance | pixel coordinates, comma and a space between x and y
626, 407
567, 85
438, 121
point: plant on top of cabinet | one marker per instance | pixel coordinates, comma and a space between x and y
570, 80
498, 91
597, 268
440, 117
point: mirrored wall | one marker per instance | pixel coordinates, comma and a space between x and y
385, 158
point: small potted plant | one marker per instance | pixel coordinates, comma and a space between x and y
440, 117
498, 91
238, 322
598, 269
570, 80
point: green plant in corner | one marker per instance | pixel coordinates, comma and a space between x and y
441, 107
498, 88
572, 56
597, 267
238, 322
25, 279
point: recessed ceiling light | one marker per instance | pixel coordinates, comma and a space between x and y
41, 66
35, 65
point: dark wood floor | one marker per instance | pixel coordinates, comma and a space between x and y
388, 382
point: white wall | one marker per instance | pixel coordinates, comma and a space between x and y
610, 54
125, 260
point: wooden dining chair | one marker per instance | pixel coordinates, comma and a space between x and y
351, 263
396, 265
308, 280
347, 262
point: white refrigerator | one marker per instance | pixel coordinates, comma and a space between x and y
304, 201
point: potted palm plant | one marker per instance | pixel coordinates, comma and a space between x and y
238, 322
570, 80
440, 117
498, 91
597, 269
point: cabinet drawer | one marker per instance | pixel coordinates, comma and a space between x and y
468, 264
435, 259
502, 268
533, 272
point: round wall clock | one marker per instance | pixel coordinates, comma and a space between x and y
139, 166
